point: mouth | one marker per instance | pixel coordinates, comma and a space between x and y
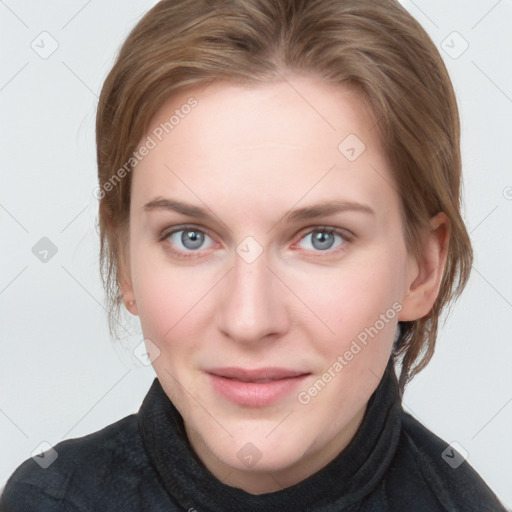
255, 388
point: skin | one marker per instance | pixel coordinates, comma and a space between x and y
250, 155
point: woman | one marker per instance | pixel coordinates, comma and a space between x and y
279, 188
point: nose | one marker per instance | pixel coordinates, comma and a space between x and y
253, 306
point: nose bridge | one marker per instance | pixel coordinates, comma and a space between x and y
251, 309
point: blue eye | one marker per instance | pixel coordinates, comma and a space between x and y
187, 240
323, 239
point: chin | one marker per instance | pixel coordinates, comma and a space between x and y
259, 454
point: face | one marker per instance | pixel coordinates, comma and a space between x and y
268, 265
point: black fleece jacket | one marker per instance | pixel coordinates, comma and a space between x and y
144, 462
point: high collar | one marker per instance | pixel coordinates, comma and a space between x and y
349, 477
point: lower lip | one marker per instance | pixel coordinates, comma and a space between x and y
254, 394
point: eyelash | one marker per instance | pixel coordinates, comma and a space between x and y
347, 238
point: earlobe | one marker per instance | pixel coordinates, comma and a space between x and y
425, 276
131, 306
128, 295
125, 283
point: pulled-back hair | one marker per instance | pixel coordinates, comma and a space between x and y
375, 47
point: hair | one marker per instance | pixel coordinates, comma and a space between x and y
374, 47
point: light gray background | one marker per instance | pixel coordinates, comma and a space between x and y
62, 377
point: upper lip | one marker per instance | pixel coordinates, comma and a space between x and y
258, 374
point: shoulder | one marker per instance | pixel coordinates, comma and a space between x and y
441, 471
91, 467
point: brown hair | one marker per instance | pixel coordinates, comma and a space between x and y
374, 46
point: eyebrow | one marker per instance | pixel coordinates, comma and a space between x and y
321, 209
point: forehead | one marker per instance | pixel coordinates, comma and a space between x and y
296, 140
295, 111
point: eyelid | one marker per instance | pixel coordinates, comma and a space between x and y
167, 232
345, 233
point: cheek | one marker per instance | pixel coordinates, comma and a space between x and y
359, 303
172, 301
354, 296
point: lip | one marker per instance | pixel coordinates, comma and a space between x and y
255, 388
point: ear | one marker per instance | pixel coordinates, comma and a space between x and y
125, 281
425, 273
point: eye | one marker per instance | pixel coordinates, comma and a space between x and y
324, 239
186, 240
189, 241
